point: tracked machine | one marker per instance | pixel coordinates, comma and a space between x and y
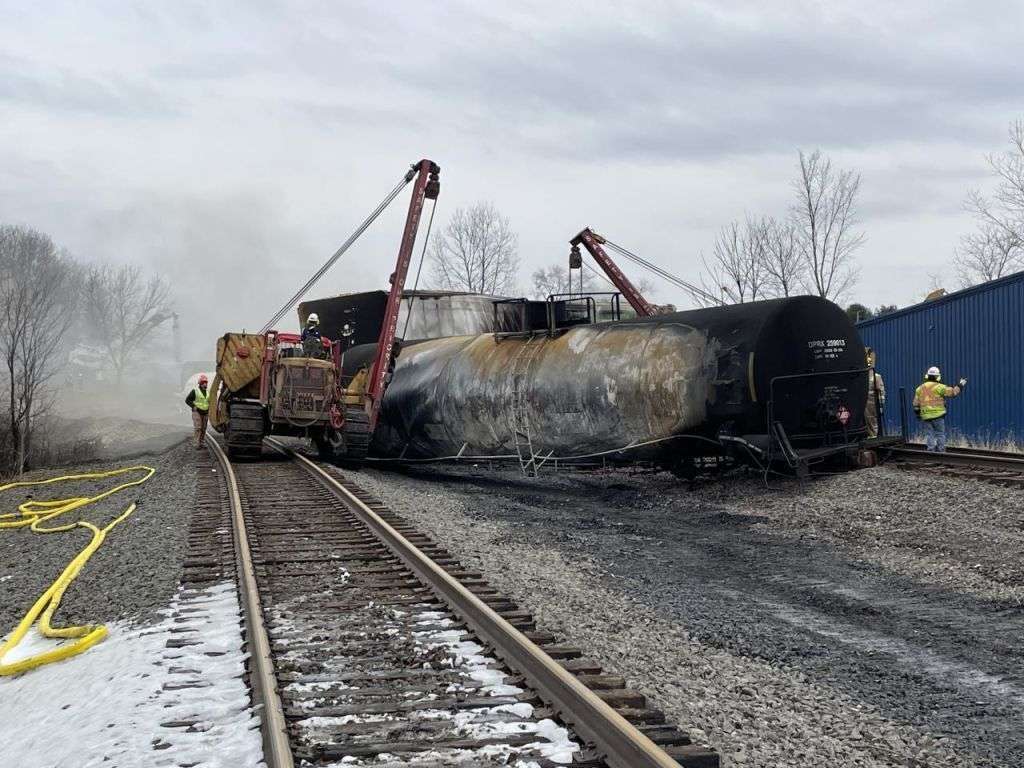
269, 383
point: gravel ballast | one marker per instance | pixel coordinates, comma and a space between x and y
134, 573
868, 619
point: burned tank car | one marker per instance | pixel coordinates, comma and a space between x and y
699, 377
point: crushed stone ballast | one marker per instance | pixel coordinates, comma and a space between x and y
380, 646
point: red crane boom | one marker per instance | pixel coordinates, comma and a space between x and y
427, 187
593, 242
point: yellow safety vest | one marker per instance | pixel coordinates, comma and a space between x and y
930, 397
202, 399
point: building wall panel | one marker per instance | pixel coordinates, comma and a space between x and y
977, 333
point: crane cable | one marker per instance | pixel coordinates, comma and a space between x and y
409, 176
598, 275
664, 274
33, 514
423, 253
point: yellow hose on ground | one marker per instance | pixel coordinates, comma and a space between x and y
34, 514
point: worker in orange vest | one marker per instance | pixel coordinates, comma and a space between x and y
930, 407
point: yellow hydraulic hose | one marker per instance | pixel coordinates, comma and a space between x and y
34, 514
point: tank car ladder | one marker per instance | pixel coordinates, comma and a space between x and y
519, 422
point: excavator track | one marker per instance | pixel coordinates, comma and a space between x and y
356, 431
244, 433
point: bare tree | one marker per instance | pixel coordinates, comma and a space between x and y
784, 265
558, 279
987, 254
997, 248
124, 309
825, 217
37, 308
476, 252
736, 271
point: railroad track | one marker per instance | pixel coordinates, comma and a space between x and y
370, 644
996, 467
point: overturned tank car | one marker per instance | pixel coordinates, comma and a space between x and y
771, 381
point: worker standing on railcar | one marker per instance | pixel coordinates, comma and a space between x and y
312, 344
876, 395
930, 406
199, 401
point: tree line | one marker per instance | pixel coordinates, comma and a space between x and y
50, 302
809, 250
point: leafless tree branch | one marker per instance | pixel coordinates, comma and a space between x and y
987, 254
997, 248
557, 279
476, 252
784, 266
737, 270
37, 308
825, 218
123, 309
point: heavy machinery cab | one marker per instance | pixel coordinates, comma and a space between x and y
300, 390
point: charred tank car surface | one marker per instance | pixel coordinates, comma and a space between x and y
765, 380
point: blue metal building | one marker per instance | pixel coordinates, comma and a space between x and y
977, 333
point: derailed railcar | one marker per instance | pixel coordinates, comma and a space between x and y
782, 379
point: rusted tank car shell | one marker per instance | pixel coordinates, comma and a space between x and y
593, 387
606, 386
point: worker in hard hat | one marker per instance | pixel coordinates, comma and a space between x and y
199, 401
312, 343
930, 407
876, 394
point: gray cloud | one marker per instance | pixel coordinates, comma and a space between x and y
197, 138
61, 89
702, 86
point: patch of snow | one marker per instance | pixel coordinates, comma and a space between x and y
130, 700
553, 741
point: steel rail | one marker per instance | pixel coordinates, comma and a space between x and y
277, 750
961, 457
620, 743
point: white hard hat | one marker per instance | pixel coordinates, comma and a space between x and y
934, 371
313, 318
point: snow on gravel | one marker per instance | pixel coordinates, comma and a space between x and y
470, 659
132, 701
439, 640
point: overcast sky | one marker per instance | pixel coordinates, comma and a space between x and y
232, 147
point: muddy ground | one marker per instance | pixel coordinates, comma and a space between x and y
865, 619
